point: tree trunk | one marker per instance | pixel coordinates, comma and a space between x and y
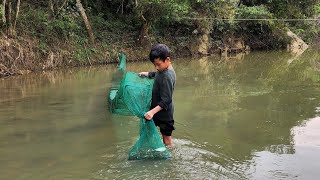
61, 7
51, 9
56, 7
144, 33
16, 17
9, 18
4, 20
144, 37
86, 21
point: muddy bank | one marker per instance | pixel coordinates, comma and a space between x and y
24, 55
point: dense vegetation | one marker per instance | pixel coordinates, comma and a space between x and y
44, 34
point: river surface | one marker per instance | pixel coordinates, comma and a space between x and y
253, 116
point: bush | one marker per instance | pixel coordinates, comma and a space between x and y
63, 25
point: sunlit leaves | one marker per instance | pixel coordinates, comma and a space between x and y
168, 10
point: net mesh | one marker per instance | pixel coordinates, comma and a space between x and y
132, 96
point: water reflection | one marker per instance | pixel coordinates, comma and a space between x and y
301, 165
255, 117
51, 123
248, 105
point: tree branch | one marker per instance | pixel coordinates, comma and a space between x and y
62, 6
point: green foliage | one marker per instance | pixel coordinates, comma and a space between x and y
299, 31
116, 24
292, 9
255, 12
215, 8
81, 55
317, 9
34, 21
247, 22
299, 9
165, 11
81, 52
307, 30
264, 33
44, 28
63, 25
224, 27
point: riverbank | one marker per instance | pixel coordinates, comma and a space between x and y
37, 49
24, 55
43, 40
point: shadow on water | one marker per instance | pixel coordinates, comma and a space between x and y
250, 117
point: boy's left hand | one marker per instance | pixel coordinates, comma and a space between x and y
145, 74
149, 115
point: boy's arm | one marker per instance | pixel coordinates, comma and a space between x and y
166, 92
149, 115
166, 98
147, 74
151, 74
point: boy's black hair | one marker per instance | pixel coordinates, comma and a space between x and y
161, 51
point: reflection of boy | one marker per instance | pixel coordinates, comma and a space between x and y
162, 108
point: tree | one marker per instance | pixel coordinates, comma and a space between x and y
286, 9
85, 20
152, 11
56, 6
10, 13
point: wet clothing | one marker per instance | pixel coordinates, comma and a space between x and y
162, 92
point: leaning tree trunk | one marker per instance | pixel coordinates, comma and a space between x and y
86, 21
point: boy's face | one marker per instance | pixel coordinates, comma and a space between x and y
161, 65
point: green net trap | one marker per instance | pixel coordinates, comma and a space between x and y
130, 94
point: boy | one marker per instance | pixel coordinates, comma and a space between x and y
161, 109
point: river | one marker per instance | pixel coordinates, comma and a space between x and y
254, 116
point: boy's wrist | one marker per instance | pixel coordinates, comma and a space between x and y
156, 109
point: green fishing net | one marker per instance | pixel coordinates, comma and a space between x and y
132, 96
116, 103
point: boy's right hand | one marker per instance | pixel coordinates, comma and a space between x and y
143, 74
149, 115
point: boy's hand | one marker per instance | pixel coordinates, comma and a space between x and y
149, 115
143, 74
